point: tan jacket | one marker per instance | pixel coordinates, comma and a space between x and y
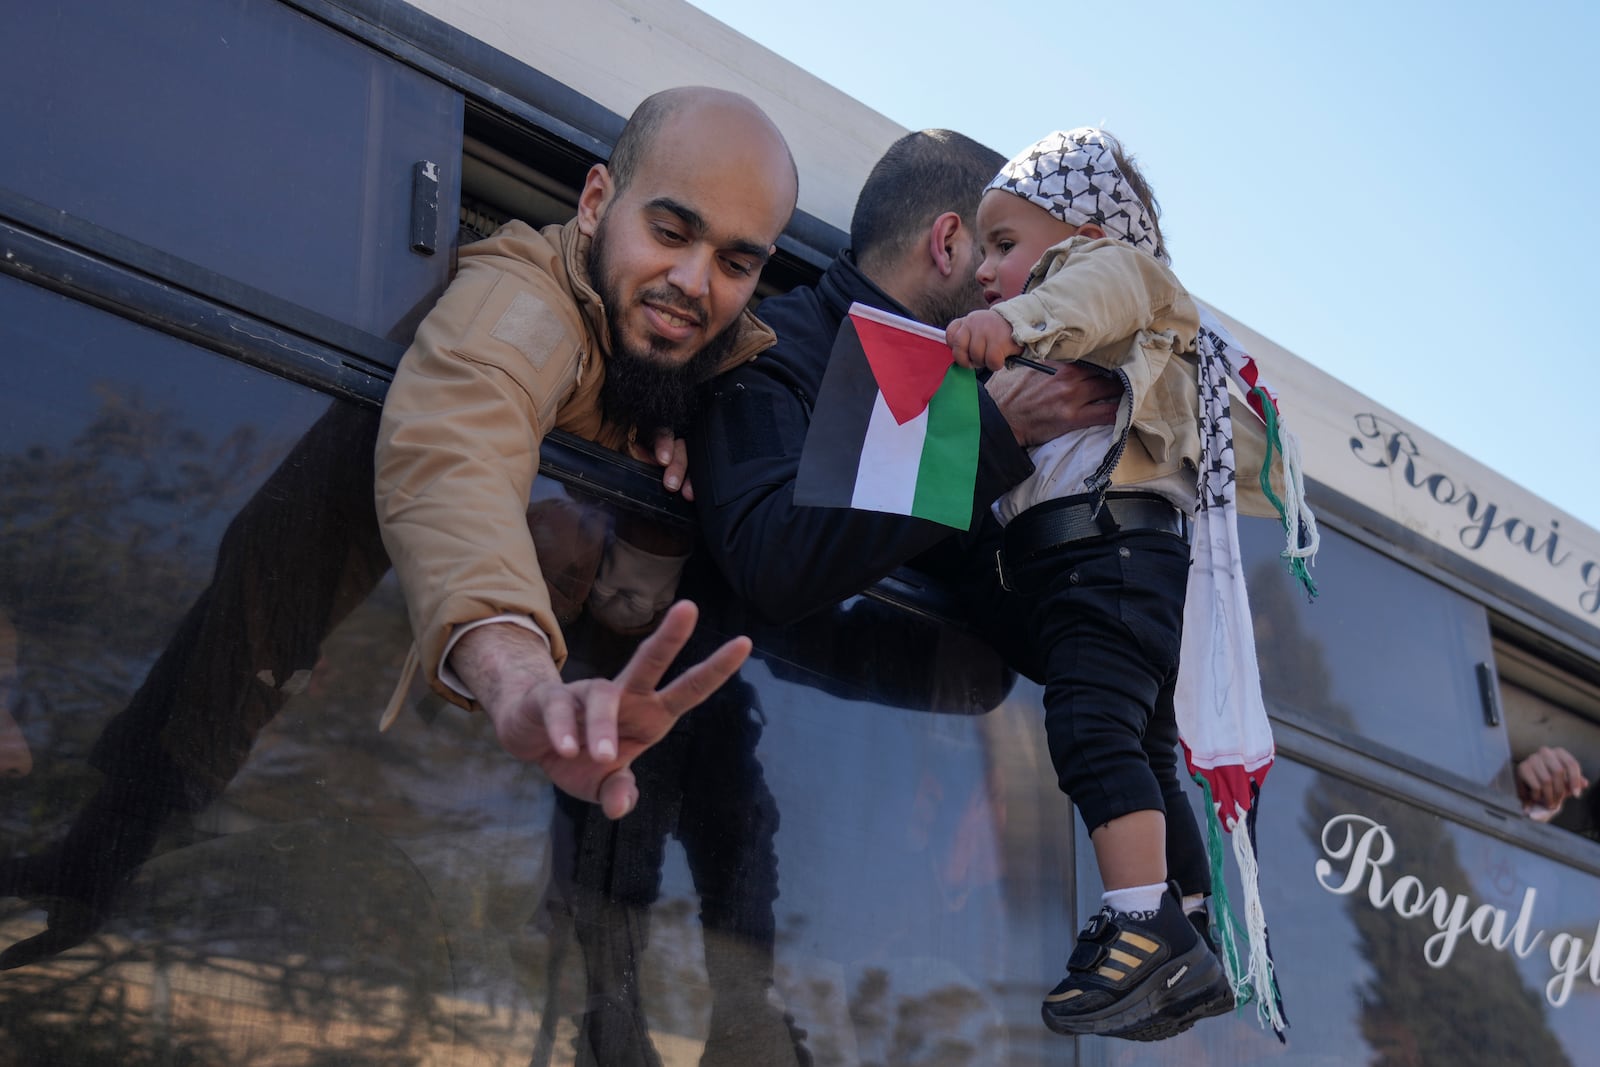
1110, 305
514, 348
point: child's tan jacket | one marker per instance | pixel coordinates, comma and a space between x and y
1102, 302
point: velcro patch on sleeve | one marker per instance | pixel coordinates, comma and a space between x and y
750, 428
532, 327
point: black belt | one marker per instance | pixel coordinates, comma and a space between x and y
1059, 522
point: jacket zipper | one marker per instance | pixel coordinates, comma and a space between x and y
1099, 482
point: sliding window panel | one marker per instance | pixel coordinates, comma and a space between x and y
1384, 654
239, 148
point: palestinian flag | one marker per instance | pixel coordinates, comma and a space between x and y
896, 424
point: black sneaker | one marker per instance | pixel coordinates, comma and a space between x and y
1218, 998
1137, 977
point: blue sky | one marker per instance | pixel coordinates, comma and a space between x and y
1398, 192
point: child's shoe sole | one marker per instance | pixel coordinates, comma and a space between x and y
1215, 999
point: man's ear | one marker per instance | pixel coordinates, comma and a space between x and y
1090, 229
592, 202
943, 236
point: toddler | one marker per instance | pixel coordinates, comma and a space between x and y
1074, 268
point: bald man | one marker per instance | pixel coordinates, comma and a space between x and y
603, 327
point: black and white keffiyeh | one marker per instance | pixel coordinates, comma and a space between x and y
1073, 174
1222, 719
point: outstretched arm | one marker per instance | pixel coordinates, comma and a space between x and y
458, 451
586, 734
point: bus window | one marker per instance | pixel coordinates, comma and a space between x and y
1550, 708
181, 533
243, 150
1384, 654
497, 187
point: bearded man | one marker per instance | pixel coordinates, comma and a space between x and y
604, 327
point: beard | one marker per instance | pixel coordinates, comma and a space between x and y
942, 308
647, 395
645, 388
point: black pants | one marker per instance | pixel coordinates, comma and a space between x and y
1106, 617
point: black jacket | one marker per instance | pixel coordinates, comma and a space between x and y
789, 561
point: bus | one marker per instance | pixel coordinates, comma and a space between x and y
220, 222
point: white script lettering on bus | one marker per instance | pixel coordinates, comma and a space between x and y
1365, 848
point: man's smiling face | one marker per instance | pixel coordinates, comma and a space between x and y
667, 289
678, 244
653, 371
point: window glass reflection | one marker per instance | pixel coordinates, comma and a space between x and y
842, 857
854, 853
16, 758
1367, 972
244, 137
181, 532
811, 878
1383, 652
838, 858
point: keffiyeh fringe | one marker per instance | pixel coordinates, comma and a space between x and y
1252, 976
1299, 526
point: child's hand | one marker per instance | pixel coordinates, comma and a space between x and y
982, 339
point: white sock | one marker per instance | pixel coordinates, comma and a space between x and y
1194, 902
1135, 899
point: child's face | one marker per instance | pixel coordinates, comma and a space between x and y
1014, 234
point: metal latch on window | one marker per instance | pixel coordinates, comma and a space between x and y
424, 207
1489, 694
